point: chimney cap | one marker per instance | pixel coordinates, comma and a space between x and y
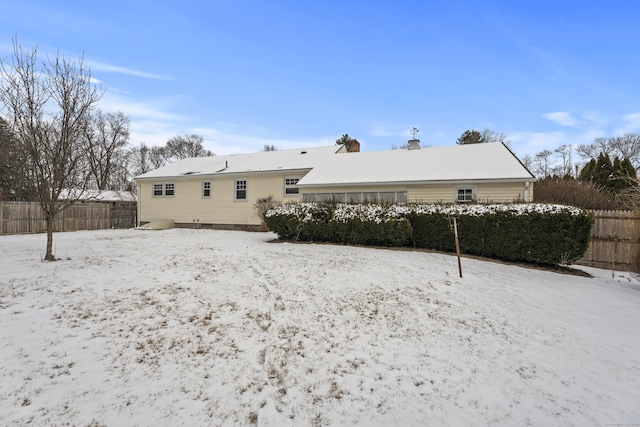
414, 144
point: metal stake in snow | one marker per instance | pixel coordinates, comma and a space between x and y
455, 233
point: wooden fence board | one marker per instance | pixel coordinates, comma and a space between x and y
615, 241
24, 217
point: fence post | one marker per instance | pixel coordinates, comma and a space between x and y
1, 212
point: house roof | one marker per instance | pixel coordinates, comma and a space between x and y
471, 162
99, 195
305, 158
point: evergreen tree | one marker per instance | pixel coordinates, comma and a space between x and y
615, 177
603, 171
471, 137
586, 174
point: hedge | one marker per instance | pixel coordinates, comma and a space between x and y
536, 233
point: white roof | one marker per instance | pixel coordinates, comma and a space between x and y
99, 196
304, 158
471, 162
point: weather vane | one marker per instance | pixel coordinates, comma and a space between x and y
414, 131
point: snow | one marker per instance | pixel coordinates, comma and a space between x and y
280, 160
98, 195
490, 162
201, 327
344, 212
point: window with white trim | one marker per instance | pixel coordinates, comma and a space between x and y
291, 186
206, 188
241, 189
167, 189
465, 194
158, 190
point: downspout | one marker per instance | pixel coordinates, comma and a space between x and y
138, 201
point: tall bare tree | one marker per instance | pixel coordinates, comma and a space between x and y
492, 136
143, 158
184, 146
543, 162
47, 105
106, 137
565, 152
527, 161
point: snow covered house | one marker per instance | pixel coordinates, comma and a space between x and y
220, 191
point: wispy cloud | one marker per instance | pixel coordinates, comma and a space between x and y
222, 142
632, 121
563, 118
108, 68
154, 109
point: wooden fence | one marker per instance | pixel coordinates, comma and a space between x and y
26, 217
615, 241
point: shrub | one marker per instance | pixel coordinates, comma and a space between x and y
537, 233
569, 191
354, 224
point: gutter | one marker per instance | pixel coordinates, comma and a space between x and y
421, 182
221, 174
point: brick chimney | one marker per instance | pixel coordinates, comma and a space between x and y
354, 146
414, 144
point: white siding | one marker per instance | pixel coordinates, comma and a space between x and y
189, 207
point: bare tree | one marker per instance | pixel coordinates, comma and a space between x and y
527, 161
184, 146
543, 160
625, 146
106, 137
491, 136
143, 159
47, 106
565, 152
15, 182
269, 147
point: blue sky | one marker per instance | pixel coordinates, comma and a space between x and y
245, 73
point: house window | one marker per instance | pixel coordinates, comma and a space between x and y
465, 195
163, 190
241, 189
291, 186
206, 188
158, 190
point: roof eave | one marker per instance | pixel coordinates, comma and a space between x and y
222, 173
418, 182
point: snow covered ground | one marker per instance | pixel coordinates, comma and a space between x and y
200, 327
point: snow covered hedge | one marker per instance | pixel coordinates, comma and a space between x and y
354, 224
538, 233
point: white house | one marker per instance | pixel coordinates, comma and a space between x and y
220, 191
